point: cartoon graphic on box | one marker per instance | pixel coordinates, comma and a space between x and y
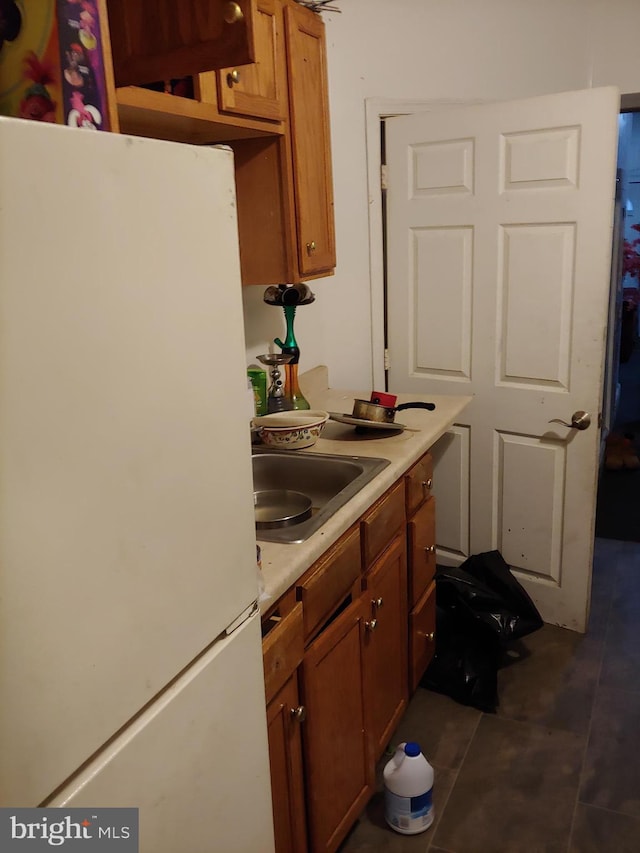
37, 104
30, 84
81, 115
51, 62
81, 57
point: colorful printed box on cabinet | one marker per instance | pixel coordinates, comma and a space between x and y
52, 62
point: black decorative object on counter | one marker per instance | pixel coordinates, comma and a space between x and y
288, 297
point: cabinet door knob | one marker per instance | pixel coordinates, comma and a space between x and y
377, 602
372, 625
430, 549
426, 484
233, 77
299, 714
232, 13
430, 636
311, 247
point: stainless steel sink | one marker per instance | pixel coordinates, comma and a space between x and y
329, 481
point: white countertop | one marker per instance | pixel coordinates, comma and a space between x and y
283, 564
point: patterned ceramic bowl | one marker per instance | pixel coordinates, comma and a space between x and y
291, 430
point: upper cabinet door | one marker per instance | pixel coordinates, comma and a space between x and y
311, 139
159, 39
259, 89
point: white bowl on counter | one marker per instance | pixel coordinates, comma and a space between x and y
291, 430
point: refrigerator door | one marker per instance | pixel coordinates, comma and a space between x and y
127, 539
196, 762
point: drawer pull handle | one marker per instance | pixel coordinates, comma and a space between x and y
371, 626
430, 636
232, 13
233, 77
430, 549
299, 714
426, 484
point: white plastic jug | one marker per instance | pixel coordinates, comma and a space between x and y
408, 790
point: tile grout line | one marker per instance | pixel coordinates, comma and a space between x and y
457, 774
595, 699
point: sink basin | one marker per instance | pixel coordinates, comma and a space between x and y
329, 481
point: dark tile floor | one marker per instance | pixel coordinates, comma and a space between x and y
557, 768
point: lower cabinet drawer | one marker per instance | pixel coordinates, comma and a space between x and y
421, 531
282, 649
422, 636
381, 522
329, 581
419, 481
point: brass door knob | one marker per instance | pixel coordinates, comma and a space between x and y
426, 484
430, 636
233, 77
311, 247
299, 714
232, 13
372, 625
376, 602
430, 549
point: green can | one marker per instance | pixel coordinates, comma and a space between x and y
258, 379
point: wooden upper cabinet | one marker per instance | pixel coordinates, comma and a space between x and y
159, 39
259, 89
260, 85
310, 139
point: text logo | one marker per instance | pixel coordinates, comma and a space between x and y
98, 829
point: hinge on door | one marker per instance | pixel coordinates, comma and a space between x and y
383, 176
387, 359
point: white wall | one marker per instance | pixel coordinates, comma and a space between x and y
420, 50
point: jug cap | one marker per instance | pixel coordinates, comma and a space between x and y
412, 749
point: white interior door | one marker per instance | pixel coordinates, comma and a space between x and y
499, 221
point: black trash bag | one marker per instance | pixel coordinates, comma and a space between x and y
481, 610
466, 661
486, 588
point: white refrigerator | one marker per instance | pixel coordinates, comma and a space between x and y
130, 649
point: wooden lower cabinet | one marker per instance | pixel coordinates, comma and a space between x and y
339, 772
385, 645
422, 634
285, 715
421, 535
361, 634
